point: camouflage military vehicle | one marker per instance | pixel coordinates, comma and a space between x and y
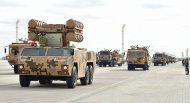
55, 59
171, 59
159, 58
13, 53
109, 57
138, 57
117, 57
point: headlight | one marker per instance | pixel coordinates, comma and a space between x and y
21, 66
8, 57
65, 67
54, 59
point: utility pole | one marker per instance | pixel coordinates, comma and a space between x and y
123, 42
17, 30
187, 53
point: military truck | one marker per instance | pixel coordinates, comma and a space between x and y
171, 59
160, 58
13, 53
109, 57
55, 59
138, 57
118, 57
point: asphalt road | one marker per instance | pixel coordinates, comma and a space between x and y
160, 84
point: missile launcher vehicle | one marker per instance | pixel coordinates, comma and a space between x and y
54, 58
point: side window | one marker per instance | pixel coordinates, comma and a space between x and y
14, 51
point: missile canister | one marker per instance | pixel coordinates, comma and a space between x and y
32, 24
73, 24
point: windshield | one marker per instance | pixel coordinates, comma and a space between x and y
135, 54
33, 52
105, 53
58, 52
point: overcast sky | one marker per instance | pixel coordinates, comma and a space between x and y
164, 25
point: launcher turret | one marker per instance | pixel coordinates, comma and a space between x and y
55, 34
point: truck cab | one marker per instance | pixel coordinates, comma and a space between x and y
138, 58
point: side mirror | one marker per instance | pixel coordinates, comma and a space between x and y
5, 50
72, 52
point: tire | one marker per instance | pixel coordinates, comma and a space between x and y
104, 64
100, 64
91, 74
110, 64
72, 80
120, 64
42, 81
84, 80
16, 69
24, 81
133, 67
129, 67
145, 67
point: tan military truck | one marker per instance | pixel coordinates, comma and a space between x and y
138, 57
171, 59
55, 59
13, 53
160, 58
118, 57
109, 57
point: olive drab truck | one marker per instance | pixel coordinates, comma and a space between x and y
12, 54
55, 59
109, 57
160, 58
138, 57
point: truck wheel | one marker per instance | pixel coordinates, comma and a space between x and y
110, 64
133, 68
24, 81
120, 64
91, 74
16, 69
145, 67
84, 80
72, 80
104, 65
129, 67
100, 64
42, 81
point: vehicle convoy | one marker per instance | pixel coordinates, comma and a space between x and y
160, 58
138, 57
55, 59
109, 57
13, 53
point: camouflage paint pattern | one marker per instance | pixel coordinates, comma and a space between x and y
53, 65
138, 60
11, 58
